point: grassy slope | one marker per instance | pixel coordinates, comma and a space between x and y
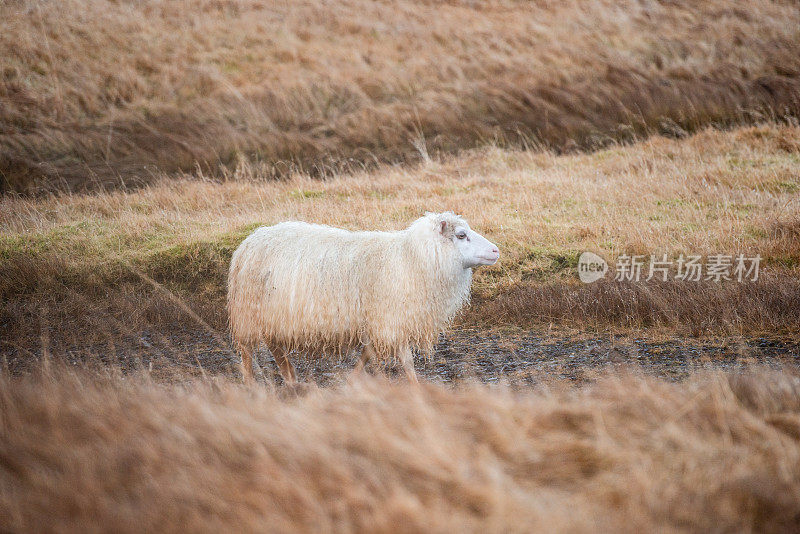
78, 261
627, 454
99, 93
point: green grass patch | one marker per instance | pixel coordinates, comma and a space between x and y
306, 193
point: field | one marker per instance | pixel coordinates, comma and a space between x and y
140, 142
100, 94
101, 269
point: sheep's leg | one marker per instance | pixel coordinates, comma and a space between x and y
246, 351
367, 353
407, 359
286, 368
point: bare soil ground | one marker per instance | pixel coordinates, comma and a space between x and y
513, 356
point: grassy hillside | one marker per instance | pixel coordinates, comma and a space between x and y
100, 94
89, 267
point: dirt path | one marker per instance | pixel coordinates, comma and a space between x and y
489, 356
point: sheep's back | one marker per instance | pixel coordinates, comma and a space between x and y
303, 285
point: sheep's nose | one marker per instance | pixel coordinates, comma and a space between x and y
495, 251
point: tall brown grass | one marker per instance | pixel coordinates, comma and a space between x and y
99, 94
718, 452
771, 305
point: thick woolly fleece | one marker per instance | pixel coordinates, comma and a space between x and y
319, 289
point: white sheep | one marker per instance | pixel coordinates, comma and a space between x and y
315, 288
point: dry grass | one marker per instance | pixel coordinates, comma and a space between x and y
179, 115
72, 263
625, 454
106, 94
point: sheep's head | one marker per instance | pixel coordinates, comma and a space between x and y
475, 249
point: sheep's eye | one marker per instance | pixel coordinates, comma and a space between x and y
461, 235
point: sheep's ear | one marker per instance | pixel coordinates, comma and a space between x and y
443, 227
